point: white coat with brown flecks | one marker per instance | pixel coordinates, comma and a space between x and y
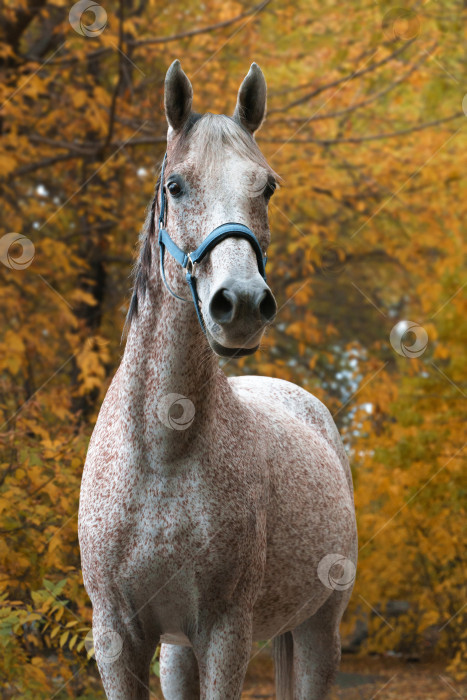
213, 512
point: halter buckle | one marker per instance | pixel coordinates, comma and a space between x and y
190, 265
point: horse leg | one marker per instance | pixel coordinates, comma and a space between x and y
223, 651
179, 673
317, 650
123, 657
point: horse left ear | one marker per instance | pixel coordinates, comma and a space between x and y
251, 101
178, 97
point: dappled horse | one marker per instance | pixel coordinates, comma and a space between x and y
213, 511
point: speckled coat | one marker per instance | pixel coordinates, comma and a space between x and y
209, 533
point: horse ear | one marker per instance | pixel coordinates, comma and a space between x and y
178, 96
251, 100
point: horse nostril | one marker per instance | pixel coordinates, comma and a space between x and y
222, 306
267, 307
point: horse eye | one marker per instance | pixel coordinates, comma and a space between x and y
269, 190
174, 189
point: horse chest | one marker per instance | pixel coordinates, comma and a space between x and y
167, 537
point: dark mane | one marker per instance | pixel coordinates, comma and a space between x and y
142, 267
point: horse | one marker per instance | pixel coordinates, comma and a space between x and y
214, 511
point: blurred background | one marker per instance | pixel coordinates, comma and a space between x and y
367, 112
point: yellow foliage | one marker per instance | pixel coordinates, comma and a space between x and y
368, 228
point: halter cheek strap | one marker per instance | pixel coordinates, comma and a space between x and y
188, 261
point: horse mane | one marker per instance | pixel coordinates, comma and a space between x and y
214, 133
142, 267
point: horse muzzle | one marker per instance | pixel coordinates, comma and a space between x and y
238, 312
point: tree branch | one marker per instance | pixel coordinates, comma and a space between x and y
167, 39
13, 31
372, 98
202, 30
116, 91
77, 151
373, 137
347, 78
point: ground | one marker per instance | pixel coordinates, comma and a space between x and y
360, 678
368, 678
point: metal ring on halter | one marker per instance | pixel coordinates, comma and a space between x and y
192, 265
189, 261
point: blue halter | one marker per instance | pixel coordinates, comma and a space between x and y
189, 260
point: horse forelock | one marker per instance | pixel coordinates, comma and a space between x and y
204, 138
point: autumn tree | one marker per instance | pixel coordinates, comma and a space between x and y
367, 129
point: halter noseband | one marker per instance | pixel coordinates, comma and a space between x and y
188, 261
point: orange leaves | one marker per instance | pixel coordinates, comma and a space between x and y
13, 352
309, 334
80, 97
7, 162
80, 295
91, 360
365, 233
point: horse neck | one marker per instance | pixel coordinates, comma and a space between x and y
167, 353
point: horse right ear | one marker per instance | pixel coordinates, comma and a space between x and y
251, 100
178, 97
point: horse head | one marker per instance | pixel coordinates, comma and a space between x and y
216, 185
